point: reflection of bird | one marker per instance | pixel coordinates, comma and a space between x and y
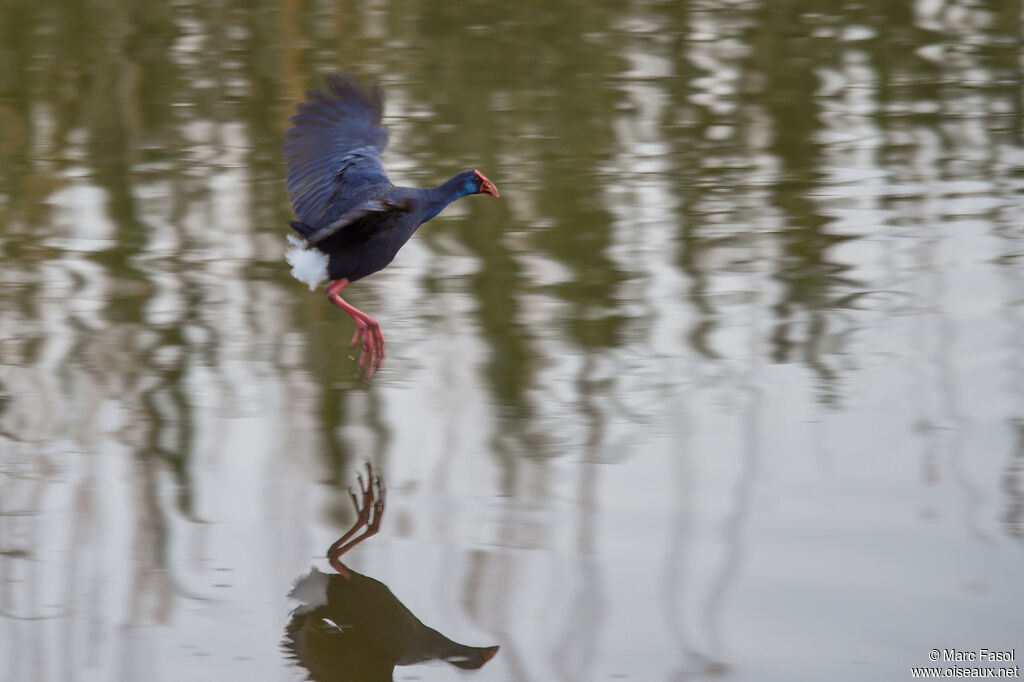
350, 627
353, 220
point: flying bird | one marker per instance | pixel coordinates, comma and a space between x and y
351, 218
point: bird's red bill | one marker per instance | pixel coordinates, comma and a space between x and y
487, 187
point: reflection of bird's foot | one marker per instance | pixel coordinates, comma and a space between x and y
371, 341
369, 506
370, 509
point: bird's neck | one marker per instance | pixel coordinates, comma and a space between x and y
442, 195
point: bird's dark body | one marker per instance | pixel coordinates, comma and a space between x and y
366, 247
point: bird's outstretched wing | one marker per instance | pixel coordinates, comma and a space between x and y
333, 150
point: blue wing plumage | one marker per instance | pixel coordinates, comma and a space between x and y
333, 150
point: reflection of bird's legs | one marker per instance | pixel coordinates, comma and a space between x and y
371, 354
368, 514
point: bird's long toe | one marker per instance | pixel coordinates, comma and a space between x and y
371, 351
378, 342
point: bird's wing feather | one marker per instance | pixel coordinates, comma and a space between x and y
333, 150
358, 213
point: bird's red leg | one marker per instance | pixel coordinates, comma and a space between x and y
368, 514
371, 354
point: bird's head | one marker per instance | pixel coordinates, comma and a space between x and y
476, 183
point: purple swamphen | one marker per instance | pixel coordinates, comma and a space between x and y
351, 627
352, 219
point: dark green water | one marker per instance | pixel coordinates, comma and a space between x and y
728, 383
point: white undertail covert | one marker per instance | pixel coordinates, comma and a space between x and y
308, 265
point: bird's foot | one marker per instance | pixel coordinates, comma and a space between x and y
371, 351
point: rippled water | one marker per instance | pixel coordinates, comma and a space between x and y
729, 383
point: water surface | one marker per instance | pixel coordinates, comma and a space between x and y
728, 383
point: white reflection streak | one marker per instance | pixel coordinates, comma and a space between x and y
249, 411
966, 140
54, 414
110, 549
643, 201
